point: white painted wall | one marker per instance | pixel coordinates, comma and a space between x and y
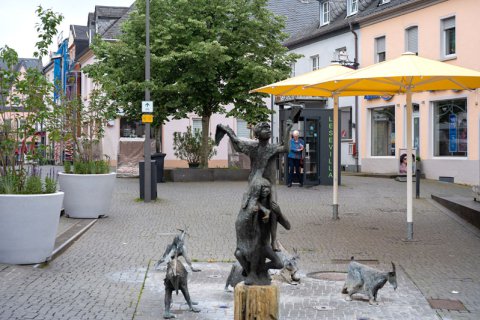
325, 49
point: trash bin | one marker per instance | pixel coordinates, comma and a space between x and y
159, 163
153, 175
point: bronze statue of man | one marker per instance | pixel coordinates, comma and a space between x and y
254, 224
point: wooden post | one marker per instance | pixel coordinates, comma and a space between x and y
256, 302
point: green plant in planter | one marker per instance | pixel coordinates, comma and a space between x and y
25, 102
188, 145
85, 128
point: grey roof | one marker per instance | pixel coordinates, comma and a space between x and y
79, 32
105, 16
30, 63
379, 8
298, 13
367, 9
114, 31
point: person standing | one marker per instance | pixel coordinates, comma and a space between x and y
294, 157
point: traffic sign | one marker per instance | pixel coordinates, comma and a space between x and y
147, 106
147, 118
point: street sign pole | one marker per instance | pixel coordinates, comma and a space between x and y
146, 148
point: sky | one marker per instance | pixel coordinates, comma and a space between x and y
18, 19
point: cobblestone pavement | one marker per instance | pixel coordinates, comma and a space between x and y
104, 274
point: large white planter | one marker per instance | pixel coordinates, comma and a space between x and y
87, 195
28, 226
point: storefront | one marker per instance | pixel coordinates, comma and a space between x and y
445, 135
315, 126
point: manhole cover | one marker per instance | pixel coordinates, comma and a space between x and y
456, 305
323, 308
328, 276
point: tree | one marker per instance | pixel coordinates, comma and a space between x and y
206, 54
25, 102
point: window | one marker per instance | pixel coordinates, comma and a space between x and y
380, 50
131, 129
448, 37
383, 131
450, 128
242, 129
346, 123
352, 7
197, 125
411, 39
315, 62
325, 13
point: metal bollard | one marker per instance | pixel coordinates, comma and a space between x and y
417, 183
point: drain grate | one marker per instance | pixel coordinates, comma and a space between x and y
328, 275
347, 261
446, 304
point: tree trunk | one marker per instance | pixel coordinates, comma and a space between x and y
158, 138
205, 135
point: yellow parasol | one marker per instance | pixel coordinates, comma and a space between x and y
406, 74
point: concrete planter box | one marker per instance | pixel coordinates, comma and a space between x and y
199, 175
28, 227
87, 196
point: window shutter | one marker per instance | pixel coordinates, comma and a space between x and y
197, 125
412, 39
449, 23
380, 44
242, 129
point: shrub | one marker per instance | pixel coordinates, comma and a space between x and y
188, 145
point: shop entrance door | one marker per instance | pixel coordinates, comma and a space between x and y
311, 162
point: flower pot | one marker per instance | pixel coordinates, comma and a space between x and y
28, 226
87, 195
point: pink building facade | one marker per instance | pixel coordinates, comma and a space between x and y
445, 123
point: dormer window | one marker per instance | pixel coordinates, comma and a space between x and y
325, 13
352, 7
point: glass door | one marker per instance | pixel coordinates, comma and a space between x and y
311, 160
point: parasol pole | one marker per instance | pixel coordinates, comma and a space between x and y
335, 156
409, 166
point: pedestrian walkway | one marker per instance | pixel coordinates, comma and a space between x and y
106, 274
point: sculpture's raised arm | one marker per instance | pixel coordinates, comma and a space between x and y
240, 145
284, 146
285, 143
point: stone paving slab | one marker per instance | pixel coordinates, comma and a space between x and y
101, 275
311, 299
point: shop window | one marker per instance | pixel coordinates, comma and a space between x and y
383, 131
346, 123
242, 129
380, 49
450, 128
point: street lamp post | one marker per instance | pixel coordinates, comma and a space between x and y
146, 148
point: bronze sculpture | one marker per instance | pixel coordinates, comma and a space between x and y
257, 218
